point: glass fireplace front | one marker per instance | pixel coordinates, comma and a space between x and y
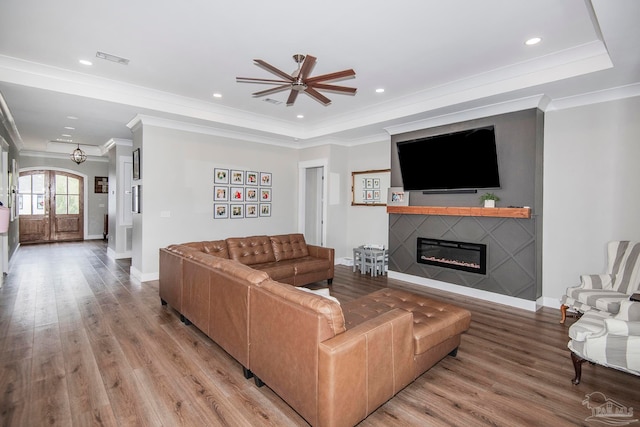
464, 256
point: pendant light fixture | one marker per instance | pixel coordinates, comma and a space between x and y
78, 155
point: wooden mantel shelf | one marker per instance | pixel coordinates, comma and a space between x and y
461, 211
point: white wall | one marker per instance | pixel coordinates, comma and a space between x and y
177, 191
367, 224
591, 189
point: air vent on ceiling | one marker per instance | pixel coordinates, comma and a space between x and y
112, 58
272, 101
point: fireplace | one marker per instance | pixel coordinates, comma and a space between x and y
464, 256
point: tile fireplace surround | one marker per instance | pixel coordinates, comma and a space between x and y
510, 236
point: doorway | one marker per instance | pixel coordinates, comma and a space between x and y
312, 207
50, 206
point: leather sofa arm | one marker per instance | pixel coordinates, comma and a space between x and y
364, 367
321, 252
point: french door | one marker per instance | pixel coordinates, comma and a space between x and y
51, 206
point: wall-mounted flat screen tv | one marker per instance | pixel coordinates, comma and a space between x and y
463, 160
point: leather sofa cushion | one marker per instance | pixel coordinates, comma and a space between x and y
250, 250
329, 310
433, 321
289, 246
277, 270
311, 265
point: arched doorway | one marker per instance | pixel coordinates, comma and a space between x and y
51, 206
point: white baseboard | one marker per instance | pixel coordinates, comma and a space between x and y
118, 255
463, 290
138, 276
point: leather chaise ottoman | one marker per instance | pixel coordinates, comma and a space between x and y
437, 326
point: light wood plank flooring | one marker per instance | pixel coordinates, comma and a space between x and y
81, 344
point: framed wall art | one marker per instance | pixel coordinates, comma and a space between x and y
265, 209
251, 178
251, 210
220, 193
251, 194
101, 184
220, 176
265, 179
248, 192
237, 177
237, 194
237, 211
367, 187
220, 210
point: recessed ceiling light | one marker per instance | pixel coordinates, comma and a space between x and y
217, 95
379, 90
66, 135
69, 127
64, 140
85, 62
72, 118
532, 41
300, 116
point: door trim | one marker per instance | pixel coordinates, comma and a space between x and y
302, 180
85, 196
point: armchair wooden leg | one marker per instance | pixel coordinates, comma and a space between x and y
577, 367
563, 311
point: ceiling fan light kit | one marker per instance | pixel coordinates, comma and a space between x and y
300, 81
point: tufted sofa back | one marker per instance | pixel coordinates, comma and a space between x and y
289, 246
213, 247
251, 250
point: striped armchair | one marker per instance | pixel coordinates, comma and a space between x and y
605, 292
607, 339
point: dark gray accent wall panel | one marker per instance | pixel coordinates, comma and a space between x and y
511, 251
514, 245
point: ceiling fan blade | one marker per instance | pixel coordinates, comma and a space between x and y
317, 95
307, 66
331, 76
273, 69
272, 90
292, 97
334, 88
252, 80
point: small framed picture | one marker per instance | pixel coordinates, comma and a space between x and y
237, 211
220, 176
251, 210
250, 194
376, 195
369, 196
397, 197
265, 179
376, 182
251, 178
237, 177
265, 194
101, 184
369, 183
220, 193
220, 210
265, 209
237, 194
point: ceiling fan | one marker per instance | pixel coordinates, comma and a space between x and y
299, 80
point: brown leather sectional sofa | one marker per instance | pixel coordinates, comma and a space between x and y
334, 364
